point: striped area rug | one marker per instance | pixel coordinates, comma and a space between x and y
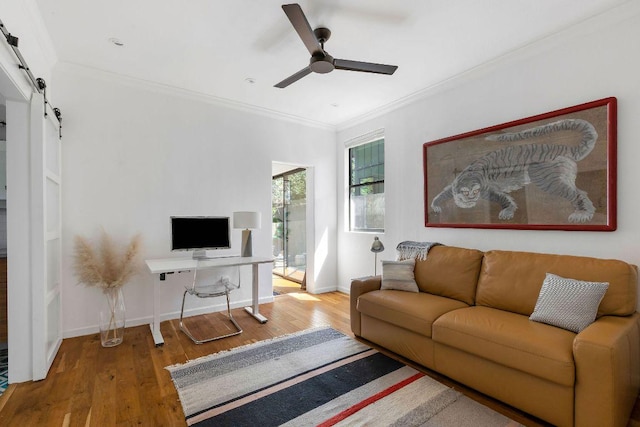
318, 377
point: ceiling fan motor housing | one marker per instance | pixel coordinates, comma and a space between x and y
321, 64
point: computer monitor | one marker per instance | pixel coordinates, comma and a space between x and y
200, 233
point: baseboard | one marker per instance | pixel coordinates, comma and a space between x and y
344, 290
324, 290
132, 322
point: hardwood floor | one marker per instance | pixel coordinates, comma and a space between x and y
127, 385
283, 286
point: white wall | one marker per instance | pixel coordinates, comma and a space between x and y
135, 154
592, 61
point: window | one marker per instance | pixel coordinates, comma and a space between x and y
366, 186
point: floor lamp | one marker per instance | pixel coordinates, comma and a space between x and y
376, 247
246, 221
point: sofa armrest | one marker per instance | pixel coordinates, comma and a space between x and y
607, 358
358, 287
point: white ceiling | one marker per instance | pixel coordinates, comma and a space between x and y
212, 47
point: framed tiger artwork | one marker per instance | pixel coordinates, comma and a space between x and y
553, 171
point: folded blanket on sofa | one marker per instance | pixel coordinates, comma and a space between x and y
414, 250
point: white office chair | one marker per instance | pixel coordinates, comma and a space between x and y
215, 286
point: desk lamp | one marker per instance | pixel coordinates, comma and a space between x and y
246, 221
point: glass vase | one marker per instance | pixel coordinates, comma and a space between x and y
112, 317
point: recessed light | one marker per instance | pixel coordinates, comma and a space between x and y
116, 42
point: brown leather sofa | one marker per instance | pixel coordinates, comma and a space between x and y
470, 322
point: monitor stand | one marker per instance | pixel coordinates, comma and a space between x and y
200, 254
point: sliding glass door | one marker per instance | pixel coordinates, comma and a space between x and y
289, 224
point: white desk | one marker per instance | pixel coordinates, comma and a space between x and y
161, 267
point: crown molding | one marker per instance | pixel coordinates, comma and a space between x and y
170, 90
604, 19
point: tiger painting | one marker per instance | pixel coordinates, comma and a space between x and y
550, 167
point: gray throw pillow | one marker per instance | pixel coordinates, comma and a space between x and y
399, 275
567, 303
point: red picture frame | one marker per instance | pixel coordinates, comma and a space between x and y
552, 171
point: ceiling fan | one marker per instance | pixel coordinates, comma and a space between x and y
321, 62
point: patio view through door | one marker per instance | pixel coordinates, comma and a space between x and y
289, 206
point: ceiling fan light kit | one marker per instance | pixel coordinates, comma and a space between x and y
321, 62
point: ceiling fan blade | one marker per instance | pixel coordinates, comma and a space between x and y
294, 78
367, 67
301, 25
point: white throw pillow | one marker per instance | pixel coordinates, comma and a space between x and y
568, 303
399, 275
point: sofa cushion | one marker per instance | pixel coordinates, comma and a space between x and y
512, 280
511, 340
567, 303
450, 272
413, 311
399, 275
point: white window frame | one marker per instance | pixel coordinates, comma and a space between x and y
352, 143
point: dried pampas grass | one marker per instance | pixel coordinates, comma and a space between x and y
105, 268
